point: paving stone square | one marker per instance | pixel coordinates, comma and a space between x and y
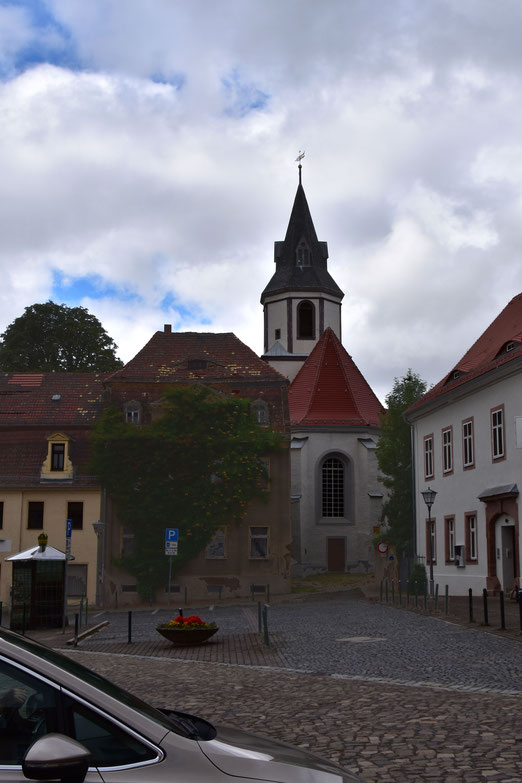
393, 695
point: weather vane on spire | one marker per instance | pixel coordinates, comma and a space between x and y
298, 160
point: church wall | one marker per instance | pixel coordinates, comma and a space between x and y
332, 317
356, 528
276, 313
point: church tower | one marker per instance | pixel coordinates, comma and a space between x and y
301, 300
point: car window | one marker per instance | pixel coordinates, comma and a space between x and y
91, 678
28, 710
110, 745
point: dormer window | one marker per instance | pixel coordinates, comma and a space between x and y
57, 464
260, 412
510, 346
132, 412
456, 375
197, 364
302, 254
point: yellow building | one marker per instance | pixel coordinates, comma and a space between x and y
45, 419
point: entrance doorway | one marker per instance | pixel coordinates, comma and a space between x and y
337, 554
507, 555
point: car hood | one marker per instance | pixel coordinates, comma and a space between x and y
245, 755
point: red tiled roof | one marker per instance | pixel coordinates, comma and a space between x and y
330, 390
167, 356
24, 451
26, 379
485, 355
78, 399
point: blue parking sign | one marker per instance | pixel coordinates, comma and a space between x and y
68, 528
171, 534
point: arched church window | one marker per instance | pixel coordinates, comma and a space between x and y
305, 321
333, 487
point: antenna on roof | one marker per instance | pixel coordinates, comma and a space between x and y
298, 160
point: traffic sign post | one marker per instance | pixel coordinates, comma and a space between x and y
171, 548
68, 535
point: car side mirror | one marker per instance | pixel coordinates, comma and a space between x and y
56, 757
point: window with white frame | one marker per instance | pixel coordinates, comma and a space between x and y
126, 542
259, 543
260, 412
428, 456
497, 433
450, 539
471, 538
468, 449
216, 548
133, 412
447, 450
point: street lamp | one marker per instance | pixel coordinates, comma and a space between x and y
99, 529
429, 499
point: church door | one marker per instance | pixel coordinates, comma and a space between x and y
336, 554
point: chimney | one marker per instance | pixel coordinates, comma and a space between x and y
167, 328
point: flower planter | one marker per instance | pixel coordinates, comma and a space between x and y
186, 637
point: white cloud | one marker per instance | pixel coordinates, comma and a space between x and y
142, 170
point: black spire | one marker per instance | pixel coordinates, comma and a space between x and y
301, 260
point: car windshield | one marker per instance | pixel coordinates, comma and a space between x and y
168, 722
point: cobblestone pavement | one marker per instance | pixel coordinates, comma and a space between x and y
341, 677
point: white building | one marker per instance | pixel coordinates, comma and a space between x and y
467, 435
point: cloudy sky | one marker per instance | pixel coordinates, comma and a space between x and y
147, 154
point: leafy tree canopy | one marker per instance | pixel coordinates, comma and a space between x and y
394, 456
194, 468
55, 338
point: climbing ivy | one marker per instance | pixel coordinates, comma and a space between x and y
195, 468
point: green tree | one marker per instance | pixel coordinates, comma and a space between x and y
394, 455
195, 468
55, 338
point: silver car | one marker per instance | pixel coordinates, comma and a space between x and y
61, 721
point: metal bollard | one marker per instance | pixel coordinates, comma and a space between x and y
81, 611
485, 603
408, 594
425, 595
386, 590
446, 600
520, 607
470, 604
400, 593
416, 595
380, 592
23, 620
436, 596
502, 612
265, 625
129, 628
259, 617
180, 612
76, 630
393, 591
